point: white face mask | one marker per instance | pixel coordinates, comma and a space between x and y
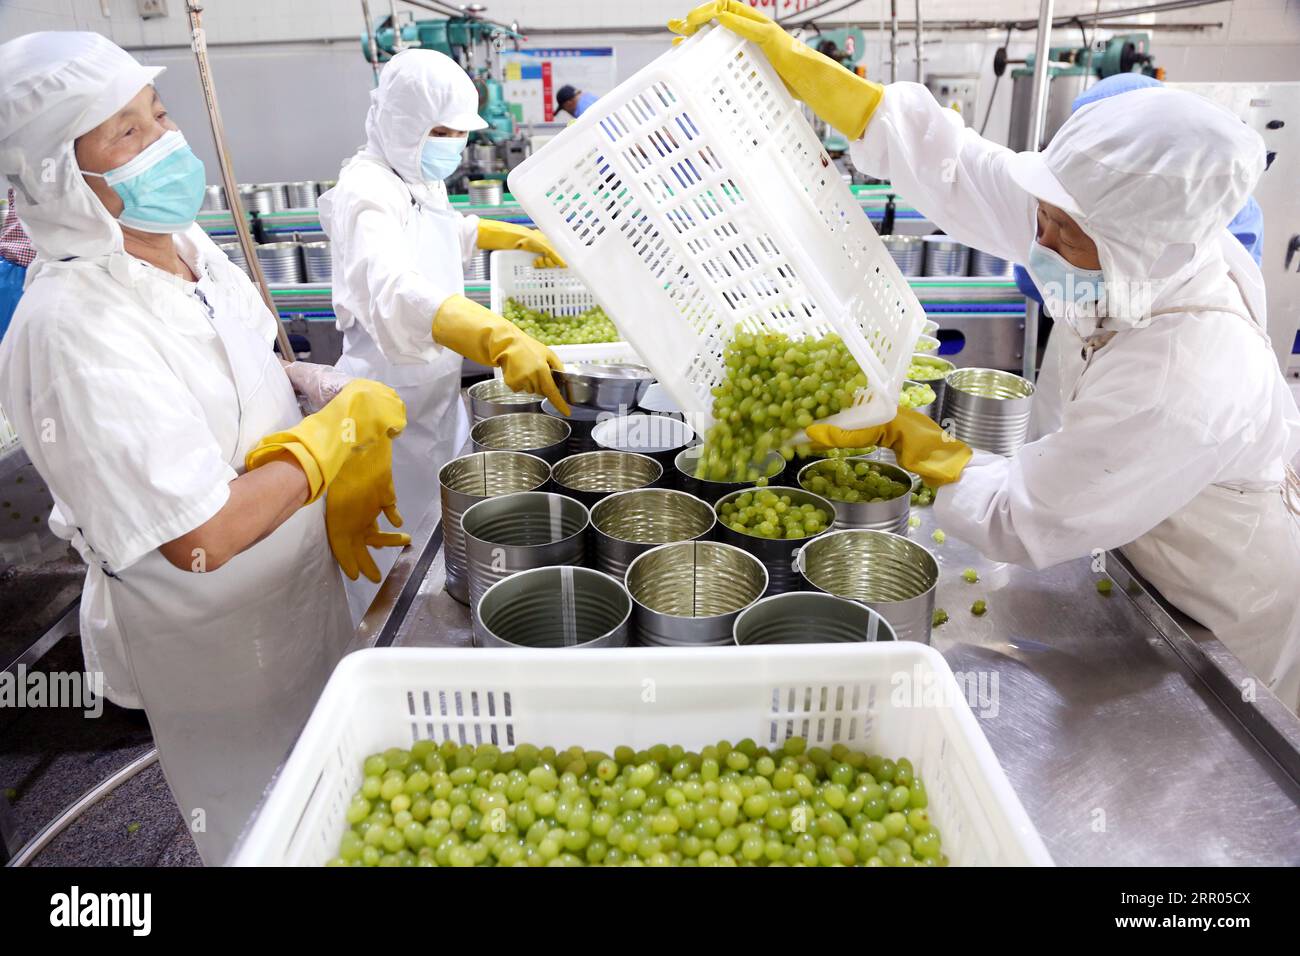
1072, 295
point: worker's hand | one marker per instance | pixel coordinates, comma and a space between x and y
842, 98
362, 414
317, 384
484, 337
362, 491
920, 446
494, 234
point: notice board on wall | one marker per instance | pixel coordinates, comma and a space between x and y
532, 77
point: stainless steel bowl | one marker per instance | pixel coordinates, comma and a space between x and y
689, 593
494, 397
611, 388
889, 515
530, 432
887, 572
512, 533
777, 554
466, 481
809, 617
630, 523
989, 409
559, 608
594, 475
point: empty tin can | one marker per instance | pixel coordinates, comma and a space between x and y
317, 261
300, 195
809, 617
530, 432
777, 554
630, 523
888, 515
594, 475
658, 436
945, 256
281, 261
989, 409
908, 253
887, 572
580, 421
559, 607
485, 192
689, 593
510, 533
986, 264
493, 397
466, 481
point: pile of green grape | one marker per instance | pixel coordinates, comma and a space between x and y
769, 515
774, 386
914, 396
853, 481
463, 805
925, 372
587, 328
923, 496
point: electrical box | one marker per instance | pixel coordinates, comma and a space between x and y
150, 9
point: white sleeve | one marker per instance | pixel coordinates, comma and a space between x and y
377, 276
468, 237
131, 452
953, 176
1124, 459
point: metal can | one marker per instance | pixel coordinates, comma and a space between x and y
777, 554
689, 593
989, 409
907, 252
466, 481
630, 523
580, 421
281, 261
485, 192
318, 262
941, 366
989, 265
558, 607
594, 475
931, 408
516, 532
530, 432
708, 490
809, 617
888, 515
658, 436
494, 397
945, 256
887, 572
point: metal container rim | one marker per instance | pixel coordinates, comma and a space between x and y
547, 421
601, 452
566, 502
578, 571
900, 474
999, 377
818, 500
442, 480
693, 543
825, 540
817, 597
609, 501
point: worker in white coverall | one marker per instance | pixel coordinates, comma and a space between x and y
398, 250
140, 376
1177, 428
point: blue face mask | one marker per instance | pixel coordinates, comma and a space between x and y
440, 156
1073, 295
161, 188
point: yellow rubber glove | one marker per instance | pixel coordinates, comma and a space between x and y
493, 234
361, 492
841, 98
920, 446
484, 337
363, 413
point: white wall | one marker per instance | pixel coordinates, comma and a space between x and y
294, 86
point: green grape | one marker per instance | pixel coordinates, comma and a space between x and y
923, 496
852, 480
940, 617
970, 576
914, 396
723, 806
1105, 586
938, 537
979, 607
588, 328
922, 371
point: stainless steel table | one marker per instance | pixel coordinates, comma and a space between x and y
1121, 724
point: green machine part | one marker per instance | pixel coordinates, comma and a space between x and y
1123, 53
457, 37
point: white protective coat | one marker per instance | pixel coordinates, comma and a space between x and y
398, 250
1176, 427
137, 395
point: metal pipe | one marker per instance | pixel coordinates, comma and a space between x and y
373, 46
87, 800
398, 45
238, 216
893, 41
920, 49
1038, 98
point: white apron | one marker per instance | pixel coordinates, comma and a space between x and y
436, 424
1230, 558
229, 663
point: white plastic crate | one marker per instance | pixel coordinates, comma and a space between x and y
557, 291
639, 697
696, 196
